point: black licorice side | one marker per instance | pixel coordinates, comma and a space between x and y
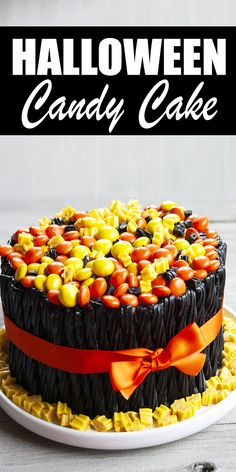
96, 327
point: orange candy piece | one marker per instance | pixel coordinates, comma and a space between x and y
33, 255
70, 235
129, 299
5, 249
185, 273
28, 281
110, 302
177, 287
64, 248
180, 263
40, 240
88, 241
84, 295
54, 230
159, 280
118, 277
36, 231
128, 237
53, 297
98, 288
200, 274
163, 252
55, 268
214, 265
147, 299
140, 253
132, 280
201, 262
16, 262
178, 211
61, 258
161, 291
200, 223
121, 290
141, 222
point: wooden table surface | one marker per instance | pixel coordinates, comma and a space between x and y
212, 449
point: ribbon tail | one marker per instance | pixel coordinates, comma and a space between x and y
191, 365
126, 376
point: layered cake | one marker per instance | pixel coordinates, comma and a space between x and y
114, 309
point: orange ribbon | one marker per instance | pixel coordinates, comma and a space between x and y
129, 367
182, 352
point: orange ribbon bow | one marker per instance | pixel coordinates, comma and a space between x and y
182, 352
129, 367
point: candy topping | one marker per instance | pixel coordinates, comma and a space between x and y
119, 255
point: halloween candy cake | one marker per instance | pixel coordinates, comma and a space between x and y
114, 309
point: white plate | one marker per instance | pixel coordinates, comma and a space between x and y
204, 417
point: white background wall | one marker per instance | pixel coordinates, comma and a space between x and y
40, 174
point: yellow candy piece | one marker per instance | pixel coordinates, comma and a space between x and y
108, 232
121, 246
37, 409
68, 274
80, 422
132, 268
88, 222
75, 262
158, 239
181, 244
142, 241
166, 420
228, 383
53, 282
75, 242
47, 259
177, 405
42, 268
161, 412
30, 401
80, 252
170, 220
49, 413
68, 295
34, 266
103, 245
102, 423
148, 273
152, 213
19, 397
39, 281
67, 213
155, 225
103, 267
87, 282
145, 286
195, 399
197, 250
112, 220
161, 265
132, 226
55, 240
21, 272
125, 259
83, 274
168, 205
213, 382
186, 412
145, 415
